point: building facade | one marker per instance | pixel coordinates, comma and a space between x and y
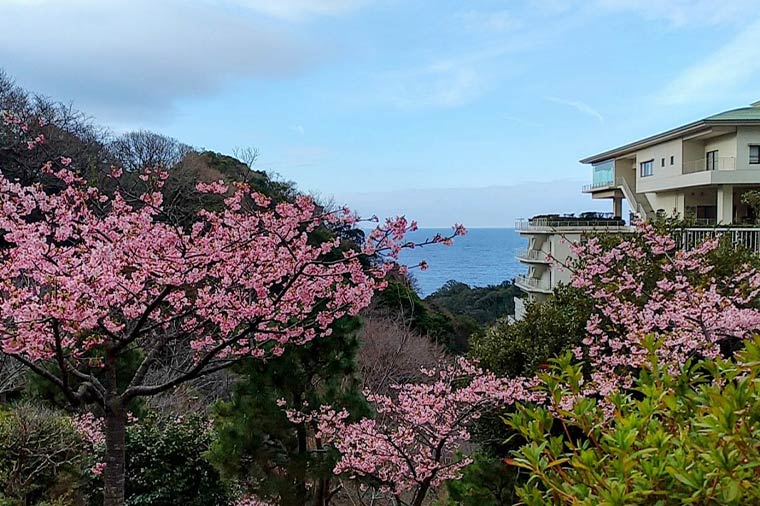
697, 172
549, 252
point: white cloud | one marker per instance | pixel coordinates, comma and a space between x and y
127, 59
686, 12
298, 129
720, 73
300, 9
579, 106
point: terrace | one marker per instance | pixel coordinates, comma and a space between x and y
591, 220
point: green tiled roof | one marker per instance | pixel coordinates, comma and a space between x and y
748, 115
741, 114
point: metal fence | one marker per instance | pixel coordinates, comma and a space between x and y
689, 238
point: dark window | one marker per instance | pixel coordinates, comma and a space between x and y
672, 160
647, 168
754, 155
662, 162
712, 160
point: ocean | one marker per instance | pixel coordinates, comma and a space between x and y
485, 256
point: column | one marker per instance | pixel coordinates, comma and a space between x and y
680, 205
617, 207
725, 204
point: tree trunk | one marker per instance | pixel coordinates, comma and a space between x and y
301, 493
113, 474
421, 493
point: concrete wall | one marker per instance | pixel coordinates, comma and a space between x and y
693, 150
669, 202
658, 153
626, 168
745, 136
561, 251
725, 145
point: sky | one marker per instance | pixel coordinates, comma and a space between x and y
444, 110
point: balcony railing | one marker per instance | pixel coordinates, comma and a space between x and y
598, 186
533, 255
553, 223
692, 237
702, 165
530, 284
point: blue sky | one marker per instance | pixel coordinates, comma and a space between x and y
469, 111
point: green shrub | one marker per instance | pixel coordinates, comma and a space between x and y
166, 464
548, 329
484, 304
686, 438
42, 458
486, 482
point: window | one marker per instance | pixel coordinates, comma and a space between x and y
672, 160
662, 162
603, 174
754, 155
647, 168
712, 160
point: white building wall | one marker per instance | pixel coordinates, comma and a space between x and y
746, 136
659, 153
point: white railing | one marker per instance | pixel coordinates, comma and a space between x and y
692, 237
550, 223
529, 283
598, 185
533, 254
701, 165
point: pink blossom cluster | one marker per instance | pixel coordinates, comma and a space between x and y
647, 286
89, 428
85, 269
412, 444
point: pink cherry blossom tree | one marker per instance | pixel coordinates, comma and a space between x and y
88, 279
646, 287
413, 444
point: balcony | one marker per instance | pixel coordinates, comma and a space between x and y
552, 222
530, 284
702, 165
599, 185
533, 256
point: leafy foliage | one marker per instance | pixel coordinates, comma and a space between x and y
485, 305
255, 442
444, 328
166, 465
488, 481
685, 437
41, 456
548, 328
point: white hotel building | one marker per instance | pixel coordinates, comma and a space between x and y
698, 171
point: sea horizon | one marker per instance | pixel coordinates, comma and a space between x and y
483, 257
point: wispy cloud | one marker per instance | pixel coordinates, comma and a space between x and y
441, 84
298, 129
579, 106
720, 73
300, 9
686, 12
